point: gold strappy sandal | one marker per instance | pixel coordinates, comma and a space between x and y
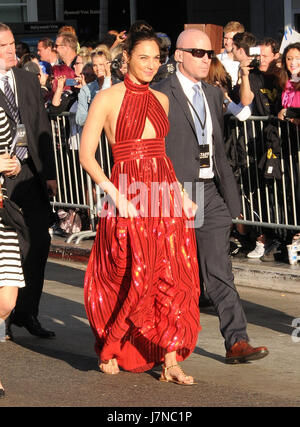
167, 378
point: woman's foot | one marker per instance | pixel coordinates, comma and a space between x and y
109, 367
174, 374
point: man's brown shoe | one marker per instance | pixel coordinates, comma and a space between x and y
242, 352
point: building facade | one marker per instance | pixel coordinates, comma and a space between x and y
31, 19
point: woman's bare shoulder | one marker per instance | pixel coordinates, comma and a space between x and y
110, 95
115, 90
163, 99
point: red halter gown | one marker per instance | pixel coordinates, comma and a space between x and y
142, 282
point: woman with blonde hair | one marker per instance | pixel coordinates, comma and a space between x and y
101, 60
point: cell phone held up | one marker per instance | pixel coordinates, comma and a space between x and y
71, 82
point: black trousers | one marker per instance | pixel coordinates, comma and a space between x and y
26, 190
215, 266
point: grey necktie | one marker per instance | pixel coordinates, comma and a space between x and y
21, 152
10, 99
200, 117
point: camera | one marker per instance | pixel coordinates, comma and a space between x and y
116, 64
254, 52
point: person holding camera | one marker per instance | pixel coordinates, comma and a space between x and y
118, 64
259, 89
258, 80
64, 92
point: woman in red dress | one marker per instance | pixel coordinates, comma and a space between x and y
142, 282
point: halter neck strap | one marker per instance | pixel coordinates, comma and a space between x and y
134, 87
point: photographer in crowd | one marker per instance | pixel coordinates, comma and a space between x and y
259, 85
260, 90
118, 64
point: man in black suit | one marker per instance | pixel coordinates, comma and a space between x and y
199, 159
24, 106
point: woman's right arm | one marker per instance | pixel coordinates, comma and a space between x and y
97, 116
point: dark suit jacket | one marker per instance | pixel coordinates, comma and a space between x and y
34, 116
182, 145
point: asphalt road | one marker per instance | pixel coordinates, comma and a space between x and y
63, 372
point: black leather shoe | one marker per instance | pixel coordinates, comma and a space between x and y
33, 326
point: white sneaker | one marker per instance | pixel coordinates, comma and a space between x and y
258, 252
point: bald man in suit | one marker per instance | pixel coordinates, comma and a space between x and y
187, 147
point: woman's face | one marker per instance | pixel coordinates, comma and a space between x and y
293, 61
144, 61
99, 65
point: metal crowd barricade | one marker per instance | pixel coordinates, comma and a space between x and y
266, 202
76, 190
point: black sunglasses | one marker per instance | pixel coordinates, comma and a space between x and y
198, 53
98, 52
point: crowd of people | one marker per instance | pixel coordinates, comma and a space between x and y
247, 91
163, 114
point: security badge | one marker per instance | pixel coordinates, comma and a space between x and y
204, 156
204, 149
20, 139
204, 153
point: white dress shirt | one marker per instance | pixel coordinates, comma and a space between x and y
230, 65
187, 86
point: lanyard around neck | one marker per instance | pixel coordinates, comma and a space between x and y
202, 124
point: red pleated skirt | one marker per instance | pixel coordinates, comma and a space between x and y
141, 287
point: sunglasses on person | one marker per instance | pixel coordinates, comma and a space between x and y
98, 52
198, 53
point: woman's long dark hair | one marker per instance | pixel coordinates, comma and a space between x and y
140, 31
285, 74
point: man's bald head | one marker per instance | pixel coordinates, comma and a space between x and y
194, 68
187, 38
